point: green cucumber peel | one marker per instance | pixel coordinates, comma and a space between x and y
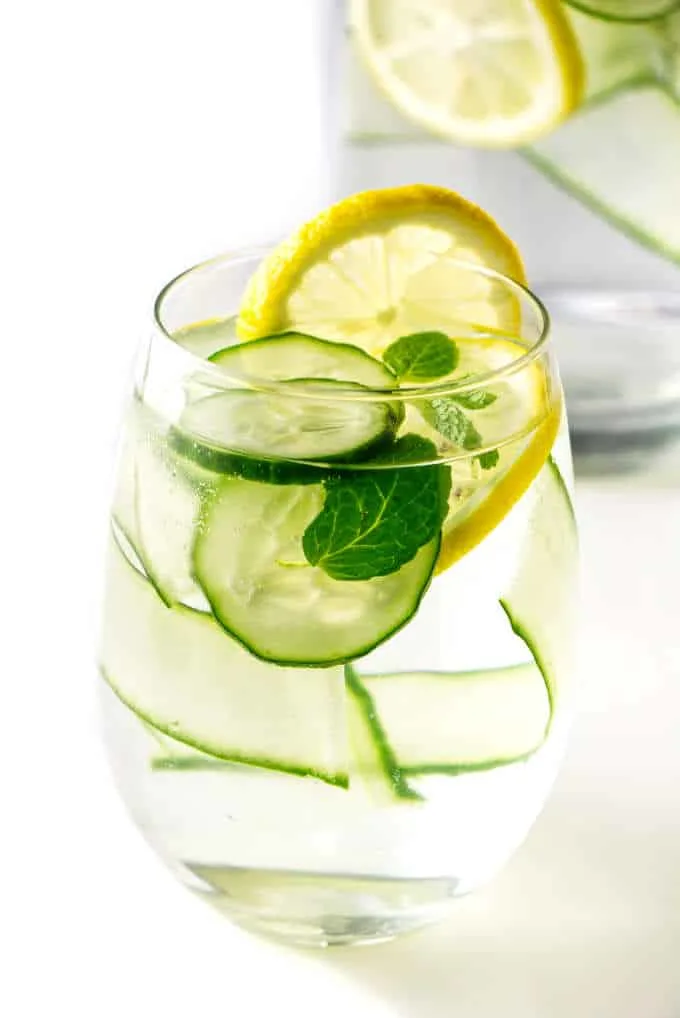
391, 768
541, 654
217, 758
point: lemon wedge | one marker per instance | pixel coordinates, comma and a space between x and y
490, 73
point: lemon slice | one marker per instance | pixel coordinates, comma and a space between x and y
520, 426
478, 508
495, 73
382, 264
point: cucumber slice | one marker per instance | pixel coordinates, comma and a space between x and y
158, 504
249, 562
308, 425
373, 767
541, 601
625, 10
407, 725
450, 723
181, 673
293, 355
597, 155
222, 461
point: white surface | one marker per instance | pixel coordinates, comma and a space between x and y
123, 136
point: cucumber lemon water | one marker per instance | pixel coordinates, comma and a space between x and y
341, 570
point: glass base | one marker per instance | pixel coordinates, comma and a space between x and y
322, 910
619, 353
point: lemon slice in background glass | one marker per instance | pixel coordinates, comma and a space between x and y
492, 73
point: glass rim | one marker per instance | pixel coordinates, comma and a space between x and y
221, 378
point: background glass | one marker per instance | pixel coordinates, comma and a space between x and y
593, 210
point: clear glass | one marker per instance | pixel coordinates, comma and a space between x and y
592, 207
335, 761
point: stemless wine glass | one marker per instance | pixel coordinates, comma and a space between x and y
338, 611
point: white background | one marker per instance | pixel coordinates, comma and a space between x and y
137, 138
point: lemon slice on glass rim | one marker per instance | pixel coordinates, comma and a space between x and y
489, 73
383, 264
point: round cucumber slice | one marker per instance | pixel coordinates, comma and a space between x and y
292, 355
223, 461
181, 673
249, 561
311, 425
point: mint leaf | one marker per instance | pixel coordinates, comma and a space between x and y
445, 416
408, 449
374, 521
477, 400
488, 460
422, 356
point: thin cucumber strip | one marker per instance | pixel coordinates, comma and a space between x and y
158, 504
181, 673
171, 755
250, 563
452, 723
541, 601
373, 765
596, 157
185, 762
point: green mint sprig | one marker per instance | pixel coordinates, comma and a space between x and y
422, 356
478, 399
427, 356
375, 521
444, 415
488, 460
